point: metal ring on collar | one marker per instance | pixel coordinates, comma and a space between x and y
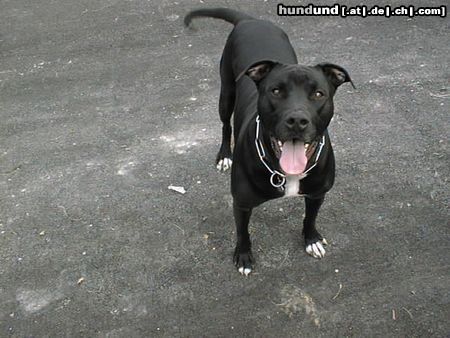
283, 179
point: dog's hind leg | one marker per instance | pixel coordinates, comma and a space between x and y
226, 107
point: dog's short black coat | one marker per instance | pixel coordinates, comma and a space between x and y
260, 76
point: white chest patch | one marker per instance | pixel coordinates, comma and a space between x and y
292, 185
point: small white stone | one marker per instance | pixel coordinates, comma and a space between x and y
180, 190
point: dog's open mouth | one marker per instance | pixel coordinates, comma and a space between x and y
291, 154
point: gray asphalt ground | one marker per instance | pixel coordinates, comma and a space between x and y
104, 104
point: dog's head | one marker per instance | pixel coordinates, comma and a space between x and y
295, 104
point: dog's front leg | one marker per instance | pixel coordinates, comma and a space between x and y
243, 258
313, 239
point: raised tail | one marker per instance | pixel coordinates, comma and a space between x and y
226, 14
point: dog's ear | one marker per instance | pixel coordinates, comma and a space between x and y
258, 71
335, 74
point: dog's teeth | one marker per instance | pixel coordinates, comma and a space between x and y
280, 144
306, 146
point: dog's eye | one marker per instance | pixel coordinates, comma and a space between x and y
276, 91
318, 94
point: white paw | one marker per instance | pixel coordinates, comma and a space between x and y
224, 164
316, 249
245, 271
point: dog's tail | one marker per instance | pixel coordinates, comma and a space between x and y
226, 14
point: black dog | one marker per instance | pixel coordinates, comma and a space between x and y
282, 147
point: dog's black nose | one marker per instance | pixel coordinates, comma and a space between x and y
297, 122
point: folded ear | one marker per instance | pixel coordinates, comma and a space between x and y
335, 74
258, 71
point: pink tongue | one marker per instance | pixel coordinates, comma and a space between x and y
293, 158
